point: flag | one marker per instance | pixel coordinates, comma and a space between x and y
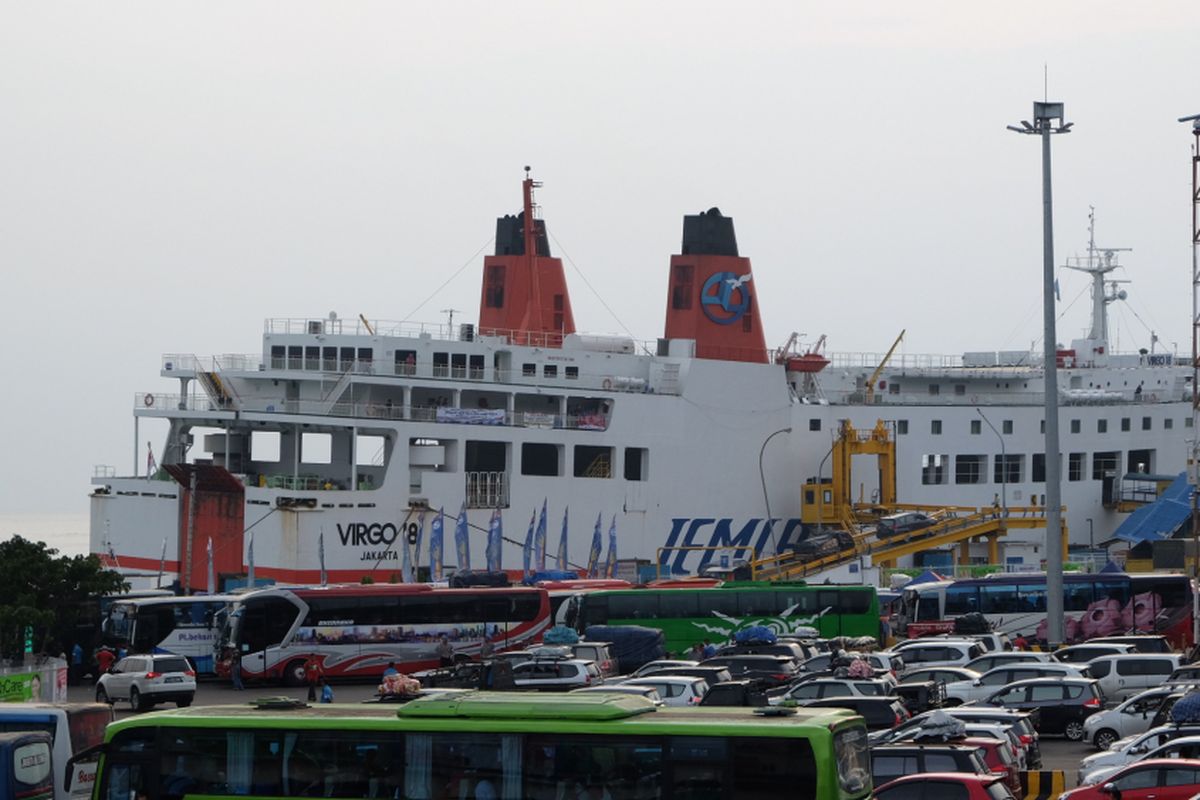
539, 541
494, 538
527, 551
321, 555
212, 578
462, 545
406, 564
250, 561
610, 564
162, 562
1057, 292
151, 465
435, 545
561, 561
594, 554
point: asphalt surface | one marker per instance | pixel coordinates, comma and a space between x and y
1057, 753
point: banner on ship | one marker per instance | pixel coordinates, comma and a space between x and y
471, 416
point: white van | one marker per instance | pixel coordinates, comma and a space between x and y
74, 727
1122, 676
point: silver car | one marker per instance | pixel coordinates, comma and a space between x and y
145, 680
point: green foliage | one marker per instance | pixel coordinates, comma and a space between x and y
57, 595
366, 579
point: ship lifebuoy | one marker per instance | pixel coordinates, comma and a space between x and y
148, 400
606, 384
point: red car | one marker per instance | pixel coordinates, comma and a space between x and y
999, 759
958, 785
1159, 778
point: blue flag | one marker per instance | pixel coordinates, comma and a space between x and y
436, 544
495, 537
420, 537
462, 545
561, 561
610, 564
527, 551
593, 562
406, 570
539, 541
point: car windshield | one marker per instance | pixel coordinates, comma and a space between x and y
176, 664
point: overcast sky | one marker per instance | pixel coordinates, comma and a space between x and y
171, 174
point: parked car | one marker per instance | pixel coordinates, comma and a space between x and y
987, 683
146, 680
884, 661
775, 670
935, 653
942, 675
598, 652
906, 522
789, 649
1130, 717
880, 713
675, 690
957, 785
659, 664
556, 674
994, 642
1187, 675
1082, 653
1122, 676
992, 660
832, 687
909, 758
1181, 747
822, 544
1062, 703
921, 696
648, 692
1162, 779
1020, 723
1142, 643
736, 693
1000, 759
1127, 750
1163, 715
711, 675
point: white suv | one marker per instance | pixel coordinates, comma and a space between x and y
939, 653
557, 674
147, 680
675, 690
1122, 676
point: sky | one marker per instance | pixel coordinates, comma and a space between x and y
172, 174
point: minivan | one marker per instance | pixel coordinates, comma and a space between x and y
944, 653
1122, 676
73, 728
1062, 703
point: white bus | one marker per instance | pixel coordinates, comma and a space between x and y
73, 728
183, 626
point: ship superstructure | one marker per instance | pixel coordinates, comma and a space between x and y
346, 431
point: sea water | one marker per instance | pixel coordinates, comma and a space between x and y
66, 532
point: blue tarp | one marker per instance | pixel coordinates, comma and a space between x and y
1111, 568
928, 576
1159, 519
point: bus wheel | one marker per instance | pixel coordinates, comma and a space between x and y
293, 673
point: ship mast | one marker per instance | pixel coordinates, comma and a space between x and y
1100, 261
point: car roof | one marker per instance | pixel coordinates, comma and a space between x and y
648, 679
953, 744
956, 777
1194, 763
1070, 679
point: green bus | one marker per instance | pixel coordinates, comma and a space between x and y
686, 616
507, 746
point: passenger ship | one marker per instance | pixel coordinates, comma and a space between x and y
321, 452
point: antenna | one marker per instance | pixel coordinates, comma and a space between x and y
1046, 81
450, 312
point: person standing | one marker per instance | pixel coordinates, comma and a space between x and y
710, 649
326, 691
76, 671
235, 670
104, 661
445, 652
312, 674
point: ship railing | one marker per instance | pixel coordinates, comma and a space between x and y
487, 489
161, 401
854, 397
230, 362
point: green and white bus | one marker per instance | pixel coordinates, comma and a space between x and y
507, 746
686, 616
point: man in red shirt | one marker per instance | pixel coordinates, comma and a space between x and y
312, 674
104, 660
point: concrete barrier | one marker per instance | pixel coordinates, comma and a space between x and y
1043, 784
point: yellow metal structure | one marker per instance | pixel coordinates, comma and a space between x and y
832, 502
870, 393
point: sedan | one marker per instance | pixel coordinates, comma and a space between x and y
1062, 703
1162, 779
945, 784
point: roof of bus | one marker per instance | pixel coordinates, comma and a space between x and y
375, 589
502, 712
758, 586
193, 598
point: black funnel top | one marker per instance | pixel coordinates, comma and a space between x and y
708, 234
510, 236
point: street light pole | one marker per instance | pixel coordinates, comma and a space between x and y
1045, 115
1003, 466
1091, 542
1194, 465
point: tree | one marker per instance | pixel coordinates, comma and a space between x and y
57, 595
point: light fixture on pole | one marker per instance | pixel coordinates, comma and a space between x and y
1048, 120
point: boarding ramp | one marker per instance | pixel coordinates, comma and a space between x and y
957, 526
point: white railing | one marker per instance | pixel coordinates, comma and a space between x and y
232, 362
856, 397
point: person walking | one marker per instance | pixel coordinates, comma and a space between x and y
312, 674
235, 670
75, 673
445, 652
104, 661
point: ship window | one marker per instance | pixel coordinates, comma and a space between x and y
315, 448
1007, 468
406, 362
814, 424
976, 427
494, 293
1042, 427
637, 463
329, 359
1146, 423
1038, 468
1075, 466
901, 427
540, 459
264, 446
365, 355
935, 427
1168, 423
370, 451
1124, 423
970, 469
346, 355
933, 469
1104, 463
1006, 426
1139, 461
529, 370
1101, 426
1076, 425
278, 356
960, 389
592, 461
893, 388
475, 368
312, 358
935, 389
1187, 422
295, 356
550, 371
681, 292
572, 372
441, 365
458, 365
